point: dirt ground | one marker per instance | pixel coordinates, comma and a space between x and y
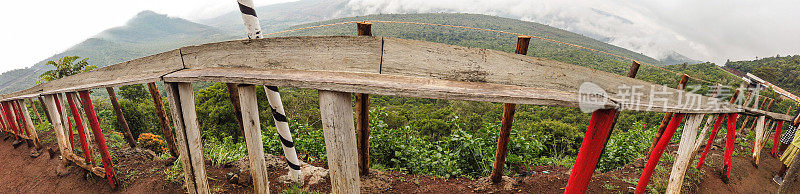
139, 172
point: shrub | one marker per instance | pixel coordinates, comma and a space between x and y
152, 142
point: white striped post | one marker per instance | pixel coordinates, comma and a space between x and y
253, 29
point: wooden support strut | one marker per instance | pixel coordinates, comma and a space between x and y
685, 149
126, 131
87, 153
252, 137
91, 117
362, 114
36, 111
68, 124
162, 118
594, 142
668, 115
33, 135
233, 96
9, 119
505, 124
714, 131
777, 136
46, 113
729, 140
657, 151
187, 136
340, 141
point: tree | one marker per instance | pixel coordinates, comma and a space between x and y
64, 67
135, 93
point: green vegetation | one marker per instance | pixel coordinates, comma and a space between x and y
64, 67
781, 71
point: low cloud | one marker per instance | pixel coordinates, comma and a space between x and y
703, 30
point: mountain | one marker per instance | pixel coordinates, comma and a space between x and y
676, 58
146, 34
280, 16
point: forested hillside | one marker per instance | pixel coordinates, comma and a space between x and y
781, 71
147, 33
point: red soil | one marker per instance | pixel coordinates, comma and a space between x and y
23, 174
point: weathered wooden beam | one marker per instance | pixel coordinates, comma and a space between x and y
658, 150
252, 137
362, 114
340, 141
777, 135
91, 116
67, 124
87, 152
126, 131
46, 113
187, 136
600, 127
162, 118
685, 149
505, 125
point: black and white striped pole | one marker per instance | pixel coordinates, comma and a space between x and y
281, 122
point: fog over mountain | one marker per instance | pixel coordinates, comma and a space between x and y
713, 30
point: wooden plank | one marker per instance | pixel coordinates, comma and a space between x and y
667, 115
252, 137
126, 131
340, 141
760, 122
358, 54
67, 124
685, 149
136, 71
163, 121
82, 129
188, 136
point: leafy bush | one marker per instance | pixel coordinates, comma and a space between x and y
152, 142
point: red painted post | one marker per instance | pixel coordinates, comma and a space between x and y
776, 138
7, 113
592, 147
717, 123
658, 150
69, 124
730, 137
79, 124
91, 117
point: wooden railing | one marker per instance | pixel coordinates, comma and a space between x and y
340, 65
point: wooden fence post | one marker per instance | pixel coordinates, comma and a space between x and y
505, 124
91, 116
46, 113
252, 137
35, 111
777, 136
3, 120
760, 122
233, 96
187, 136
362, 114
340, 141
667, 115
591, 149
33, 135
162, 118
685, 150
10, 120
729, 139
68, 124
714, 131
58, 128
87, 152
120, 117
657, 151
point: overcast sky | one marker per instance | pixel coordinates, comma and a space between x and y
707, 30
34, 30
